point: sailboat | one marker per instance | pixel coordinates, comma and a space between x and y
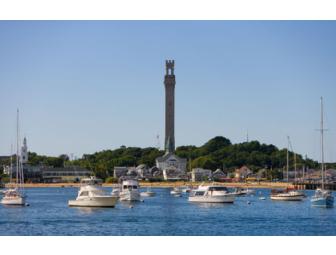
288, 194
15, 194
322, 197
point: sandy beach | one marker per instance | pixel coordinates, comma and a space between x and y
270, 185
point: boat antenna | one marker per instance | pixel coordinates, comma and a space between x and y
291, 147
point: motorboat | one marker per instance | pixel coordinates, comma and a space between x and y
116, 191
129, 191
177, 192
211, 194
322, 198
242, 191
91, 194
148, 193
287, 194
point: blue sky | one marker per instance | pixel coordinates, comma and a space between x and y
90, 85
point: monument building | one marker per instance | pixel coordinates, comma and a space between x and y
173, 167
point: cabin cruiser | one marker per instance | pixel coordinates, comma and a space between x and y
91, 194
129, 191
211, 194
288, 194
322, 198
12, 197
177, 192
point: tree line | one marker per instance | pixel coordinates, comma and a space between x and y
218, 152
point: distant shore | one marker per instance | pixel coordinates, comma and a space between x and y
269, 185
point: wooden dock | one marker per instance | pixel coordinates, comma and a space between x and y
315, 185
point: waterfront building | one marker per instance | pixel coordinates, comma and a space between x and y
200, 174
173, 167
143, 171
119, 171
242, 173
64, 174
218, 175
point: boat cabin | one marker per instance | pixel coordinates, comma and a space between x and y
130, 185
91, 181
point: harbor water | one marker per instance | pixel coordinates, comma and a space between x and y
49, 214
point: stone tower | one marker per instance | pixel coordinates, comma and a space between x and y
24, 152
169, 82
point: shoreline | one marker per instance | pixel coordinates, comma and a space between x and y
266, 185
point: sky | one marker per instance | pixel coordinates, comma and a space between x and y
86, 86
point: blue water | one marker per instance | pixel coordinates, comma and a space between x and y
48, 214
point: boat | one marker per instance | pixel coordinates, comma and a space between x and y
129, 191
116, 191
91, 194
322, 197
211, 194
148, 193
242, 191
177, 192
15, 194
289, 194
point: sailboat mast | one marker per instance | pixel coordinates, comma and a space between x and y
322, 144
17, 146
11, 165
294, 166
287, 166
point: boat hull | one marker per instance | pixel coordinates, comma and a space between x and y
212, 199
147, 194
287, 198
20, 201
129, 196
327, 202
106, 201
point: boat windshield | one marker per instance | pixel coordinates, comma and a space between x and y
218, 189
91, 182
130, 187
199, 193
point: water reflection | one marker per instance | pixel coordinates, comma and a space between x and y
212, 205
90, 210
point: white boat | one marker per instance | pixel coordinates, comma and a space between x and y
91, 194
116, 191
129, 191
287, 195
211, 194
242, 191
15, 194
322, 197
148, 193
13, 197
177, 192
